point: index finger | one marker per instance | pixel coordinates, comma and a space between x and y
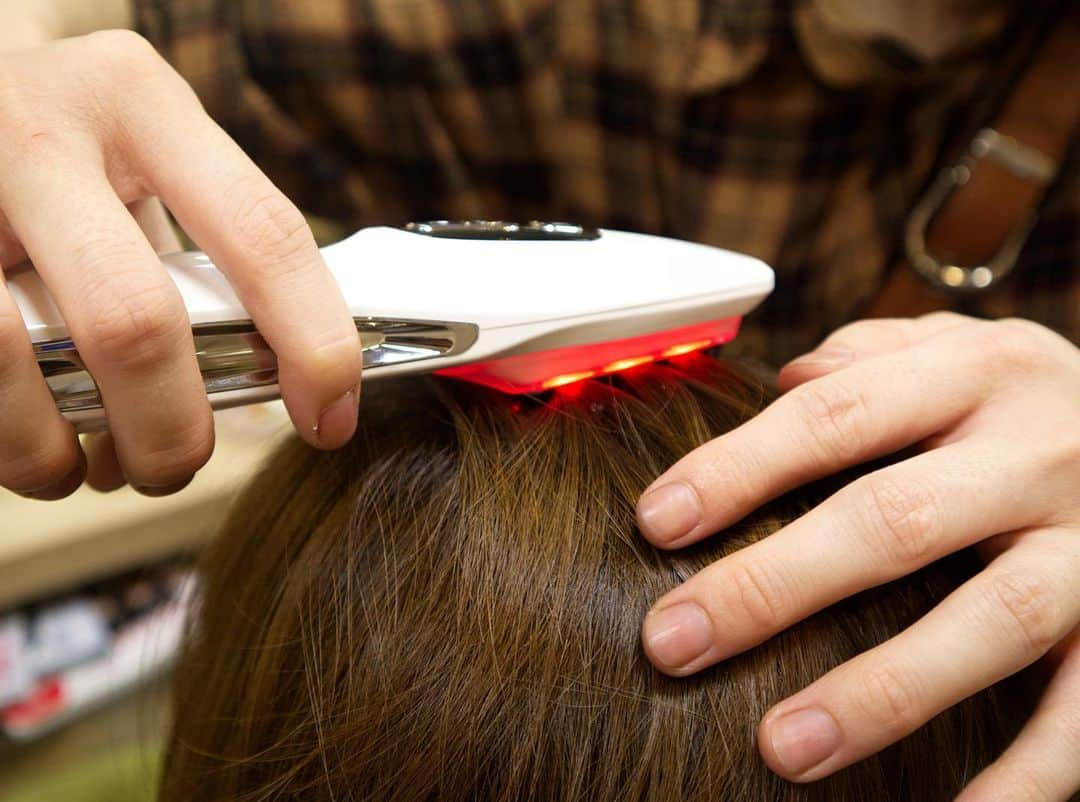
262, 242
872, 408
862, 339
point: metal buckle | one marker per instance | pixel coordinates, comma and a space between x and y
1019, 159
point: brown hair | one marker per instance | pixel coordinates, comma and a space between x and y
449, 609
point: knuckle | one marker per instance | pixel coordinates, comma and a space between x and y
1042, 788
1027, 783
336, 359
944, 316
890, 698
36, 469
734, 466
1028, 607
760, 595
273, 229
833, 414
132, 322
127, 75
1025, 327
177, 462
339, 347
1016, 345
904, 519
886, 331
128, 52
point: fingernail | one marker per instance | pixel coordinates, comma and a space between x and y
62, 489
803, 739
156, 491
337, 421
826, 357
669, 512
676, 636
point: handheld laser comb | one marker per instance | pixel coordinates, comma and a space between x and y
519, 307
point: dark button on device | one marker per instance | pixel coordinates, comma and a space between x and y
535, 230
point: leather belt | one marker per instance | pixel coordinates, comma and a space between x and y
964, 235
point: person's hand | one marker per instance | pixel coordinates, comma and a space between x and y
993, 409
90, 128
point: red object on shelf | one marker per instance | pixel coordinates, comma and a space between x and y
44, 702
559, 367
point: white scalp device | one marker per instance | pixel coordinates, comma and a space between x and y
519, 307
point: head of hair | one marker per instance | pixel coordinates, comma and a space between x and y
449, 608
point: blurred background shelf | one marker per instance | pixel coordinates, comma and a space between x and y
109, 756
51, 550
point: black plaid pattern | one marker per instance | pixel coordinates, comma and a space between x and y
748, 124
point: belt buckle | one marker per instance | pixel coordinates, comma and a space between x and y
1022, 161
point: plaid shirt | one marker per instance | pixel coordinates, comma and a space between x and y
800, 131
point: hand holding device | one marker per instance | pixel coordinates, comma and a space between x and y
519, 307
88, 127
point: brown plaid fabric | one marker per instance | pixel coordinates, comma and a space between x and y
801, 131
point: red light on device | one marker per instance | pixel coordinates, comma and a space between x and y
686, 348
567, 378
559, 367
626, 364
